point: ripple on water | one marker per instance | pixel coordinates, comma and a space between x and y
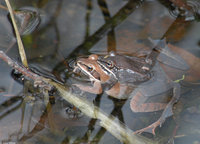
190, 10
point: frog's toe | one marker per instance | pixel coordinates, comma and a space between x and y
150, 129
147, 129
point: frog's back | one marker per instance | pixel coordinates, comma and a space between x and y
130, 69
134, 64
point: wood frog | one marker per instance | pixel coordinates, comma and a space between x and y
123, 76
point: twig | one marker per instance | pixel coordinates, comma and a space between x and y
19, 41
119, 130
27, 73
3, 7
111, 124
114, 21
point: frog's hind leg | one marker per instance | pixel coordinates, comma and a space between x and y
138, 104
166, 113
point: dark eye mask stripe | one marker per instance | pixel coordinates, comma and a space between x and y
103, 67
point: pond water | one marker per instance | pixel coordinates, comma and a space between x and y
73, 28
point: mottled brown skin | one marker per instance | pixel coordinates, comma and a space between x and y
100, 73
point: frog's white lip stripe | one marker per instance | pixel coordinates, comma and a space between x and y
106, 69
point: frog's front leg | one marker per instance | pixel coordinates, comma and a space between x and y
138, 104
95, 89
166, 113
119, 91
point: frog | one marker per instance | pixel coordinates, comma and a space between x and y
103, 78
124, 76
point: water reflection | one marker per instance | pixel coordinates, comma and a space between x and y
83, 27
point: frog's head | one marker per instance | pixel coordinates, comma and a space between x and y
91, 67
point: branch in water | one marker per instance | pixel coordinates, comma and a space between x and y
38, 80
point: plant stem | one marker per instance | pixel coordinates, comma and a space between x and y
19, 41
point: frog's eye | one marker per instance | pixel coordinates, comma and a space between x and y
90, 68
110, 64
